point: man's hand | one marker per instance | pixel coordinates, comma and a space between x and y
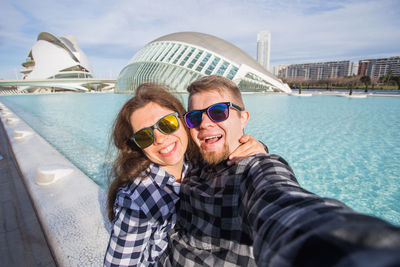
250, 146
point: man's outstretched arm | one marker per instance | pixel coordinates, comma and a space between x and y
293, 227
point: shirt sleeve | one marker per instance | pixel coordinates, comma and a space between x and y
293, 227
130, 233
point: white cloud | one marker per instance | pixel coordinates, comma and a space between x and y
11, 25
302, 31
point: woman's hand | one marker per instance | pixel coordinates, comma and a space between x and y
250, 146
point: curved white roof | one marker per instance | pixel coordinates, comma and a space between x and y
217, 45
53, 57
178, 59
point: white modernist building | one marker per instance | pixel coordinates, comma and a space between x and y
177, 59
263, 48
56, 58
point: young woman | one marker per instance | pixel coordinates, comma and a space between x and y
154, 152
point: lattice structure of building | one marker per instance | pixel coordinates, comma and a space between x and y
177, 59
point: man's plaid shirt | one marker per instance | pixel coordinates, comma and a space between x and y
255, 213
144, 212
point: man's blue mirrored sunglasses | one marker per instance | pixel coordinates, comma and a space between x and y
217, 113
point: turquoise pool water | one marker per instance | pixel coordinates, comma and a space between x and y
344, 148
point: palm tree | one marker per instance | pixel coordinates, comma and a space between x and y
396, 79
366, 80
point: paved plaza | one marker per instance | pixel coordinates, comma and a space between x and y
22, 242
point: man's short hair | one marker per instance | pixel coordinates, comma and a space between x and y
216, 82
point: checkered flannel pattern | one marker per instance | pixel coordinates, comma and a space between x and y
144, 212
256, 214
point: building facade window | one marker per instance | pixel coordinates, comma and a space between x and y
212, 66
203, 62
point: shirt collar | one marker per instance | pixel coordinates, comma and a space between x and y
163, 178
215, 168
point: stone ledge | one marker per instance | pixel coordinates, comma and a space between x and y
71, 208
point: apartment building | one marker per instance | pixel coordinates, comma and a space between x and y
318, 71
379, 67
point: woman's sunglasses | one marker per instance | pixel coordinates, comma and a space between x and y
167, 125
217, 113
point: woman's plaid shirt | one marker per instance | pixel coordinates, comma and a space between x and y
144, 212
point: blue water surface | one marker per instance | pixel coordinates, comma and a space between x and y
339, 147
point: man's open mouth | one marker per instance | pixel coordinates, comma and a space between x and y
212, 139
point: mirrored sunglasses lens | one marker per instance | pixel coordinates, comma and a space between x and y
144, 138
193, 119
218, 112
168, 124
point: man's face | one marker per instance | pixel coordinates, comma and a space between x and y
217, 140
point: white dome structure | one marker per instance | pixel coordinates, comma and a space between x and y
177, 59
56, 58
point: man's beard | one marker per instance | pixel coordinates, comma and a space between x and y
213, 158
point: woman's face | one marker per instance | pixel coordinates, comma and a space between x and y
167, 150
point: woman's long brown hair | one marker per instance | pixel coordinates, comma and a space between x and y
130, 160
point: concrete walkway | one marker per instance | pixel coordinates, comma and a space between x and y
22, 242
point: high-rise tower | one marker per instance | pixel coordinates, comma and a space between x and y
263, 48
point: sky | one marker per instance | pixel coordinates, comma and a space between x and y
111, 32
